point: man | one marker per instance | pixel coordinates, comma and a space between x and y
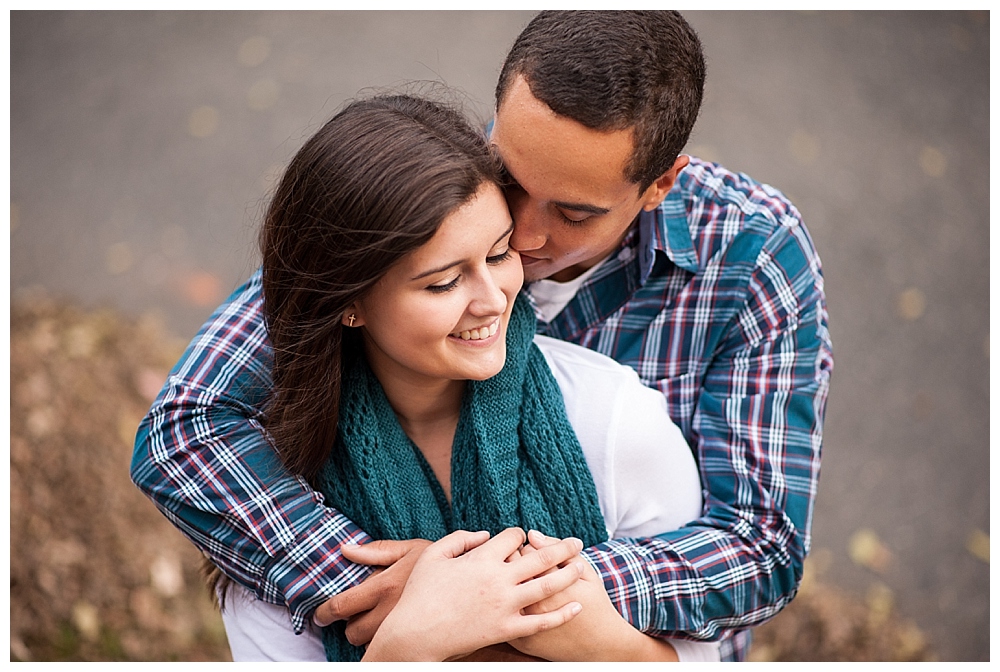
703, 281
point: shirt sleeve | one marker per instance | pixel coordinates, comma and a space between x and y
757, 434
203, 457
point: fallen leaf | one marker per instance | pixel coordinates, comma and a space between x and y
880, 600
933, 162
149, 383
866, 549
912, 304
254, 51
86, 620
165, 575
978, 544
202, 289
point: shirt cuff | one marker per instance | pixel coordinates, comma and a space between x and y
311, 570
622, 567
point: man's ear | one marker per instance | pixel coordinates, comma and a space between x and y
659, 189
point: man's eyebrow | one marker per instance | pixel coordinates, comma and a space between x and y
581, 207
445, 267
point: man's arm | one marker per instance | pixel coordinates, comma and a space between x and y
757, 431
202, 455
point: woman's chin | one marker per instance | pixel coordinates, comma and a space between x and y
487, 369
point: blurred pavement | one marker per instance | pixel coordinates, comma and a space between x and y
143, 146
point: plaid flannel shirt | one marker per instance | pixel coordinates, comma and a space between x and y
715, 298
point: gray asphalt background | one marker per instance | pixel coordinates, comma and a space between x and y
143, 146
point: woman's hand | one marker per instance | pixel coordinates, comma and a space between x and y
599, 633
463, 595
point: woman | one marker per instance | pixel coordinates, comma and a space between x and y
410, 390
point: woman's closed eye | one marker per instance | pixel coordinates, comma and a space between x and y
445, 287
492, 260
499, 258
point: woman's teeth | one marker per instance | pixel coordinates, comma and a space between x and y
478, 334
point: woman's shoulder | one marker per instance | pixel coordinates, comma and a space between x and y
571, 359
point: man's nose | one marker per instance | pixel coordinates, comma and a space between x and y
529, 231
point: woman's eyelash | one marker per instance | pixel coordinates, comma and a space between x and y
499, 258
492, 261
441, 289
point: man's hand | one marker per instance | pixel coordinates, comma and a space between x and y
599, 633
366, 606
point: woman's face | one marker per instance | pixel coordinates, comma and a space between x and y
442, 311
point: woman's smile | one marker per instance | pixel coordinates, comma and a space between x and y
481, 334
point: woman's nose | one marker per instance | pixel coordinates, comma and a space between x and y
490, 299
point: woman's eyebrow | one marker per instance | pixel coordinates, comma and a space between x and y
445, 267
505, 233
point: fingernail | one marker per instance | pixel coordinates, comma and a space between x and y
576, 608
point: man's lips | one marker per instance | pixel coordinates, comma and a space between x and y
528, 260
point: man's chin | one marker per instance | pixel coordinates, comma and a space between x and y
536, 269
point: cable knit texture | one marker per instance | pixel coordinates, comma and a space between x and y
515, 462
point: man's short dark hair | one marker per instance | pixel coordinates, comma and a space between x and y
612, 71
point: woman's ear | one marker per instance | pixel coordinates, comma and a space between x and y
352, 317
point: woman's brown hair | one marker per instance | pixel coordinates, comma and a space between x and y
372, 185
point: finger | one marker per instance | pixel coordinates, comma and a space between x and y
380, 552
363, 627
532, 624
503, 545
539, 540
457, 543
547, 557
515, 555
541, 587
348, 603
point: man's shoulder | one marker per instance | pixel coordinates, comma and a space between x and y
712, 191
732, 216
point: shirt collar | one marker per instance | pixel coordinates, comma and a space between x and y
666, 229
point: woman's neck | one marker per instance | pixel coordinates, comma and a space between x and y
428, 411
421, 405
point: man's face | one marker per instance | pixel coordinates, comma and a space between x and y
572, 204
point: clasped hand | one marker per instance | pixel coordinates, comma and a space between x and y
463, 593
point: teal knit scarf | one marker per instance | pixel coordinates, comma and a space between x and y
515, 462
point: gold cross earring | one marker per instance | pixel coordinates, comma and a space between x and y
351, 320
